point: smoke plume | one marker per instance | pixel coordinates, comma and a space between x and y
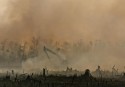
98, 21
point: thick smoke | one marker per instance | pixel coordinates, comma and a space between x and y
69, 20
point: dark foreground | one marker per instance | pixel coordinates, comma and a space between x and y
59, 81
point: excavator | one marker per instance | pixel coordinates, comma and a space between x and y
61, 58
46, 50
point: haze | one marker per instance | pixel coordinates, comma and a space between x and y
70, 20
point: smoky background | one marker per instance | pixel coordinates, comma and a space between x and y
97, 25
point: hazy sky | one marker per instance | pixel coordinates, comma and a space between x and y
71, 19
67, 20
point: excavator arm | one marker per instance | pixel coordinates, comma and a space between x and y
46, 50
